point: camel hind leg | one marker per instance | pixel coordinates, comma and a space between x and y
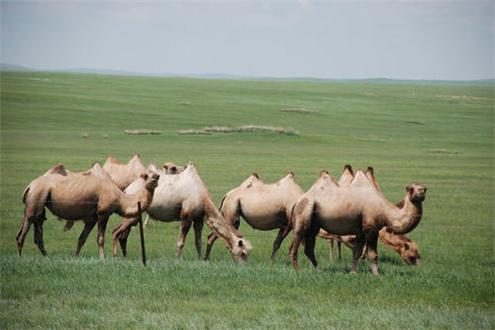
38, 236
88, 226
283, 232
309, 246
357, 252
29, 219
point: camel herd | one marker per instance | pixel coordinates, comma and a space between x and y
351, 210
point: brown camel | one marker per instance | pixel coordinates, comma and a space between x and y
185, 197
90, 196
124, 174
404, 246
263, 206
355, 210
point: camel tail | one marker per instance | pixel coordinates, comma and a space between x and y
25, 194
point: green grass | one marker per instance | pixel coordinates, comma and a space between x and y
409, 133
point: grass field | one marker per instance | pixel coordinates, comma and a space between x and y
440, 136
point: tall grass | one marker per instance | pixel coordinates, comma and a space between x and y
408, 133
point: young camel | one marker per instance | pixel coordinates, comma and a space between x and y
404, 246
355, 210
90, 196
185, 197
263, 206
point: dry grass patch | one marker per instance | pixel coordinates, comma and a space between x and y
142, 132
240, 129
298, 110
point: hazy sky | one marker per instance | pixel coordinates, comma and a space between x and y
323, 39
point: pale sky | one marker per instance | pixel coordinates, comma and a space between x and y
441, 40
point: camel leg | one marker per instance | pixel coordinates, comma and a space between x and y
198, 230
294, 246
372, 250
38, 236
211, 239
88, 226
278, 241
339, 250
309, 246
121, 234
330, 248
184, 230
21, 235
102, 226
357, 251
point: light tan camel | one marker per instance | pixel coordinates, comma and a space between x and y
355, 210
404, 246
184, 197
168, 168
263, 206
124, 174
90, 196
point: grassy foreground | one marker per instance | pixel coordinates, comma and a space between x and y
440, 136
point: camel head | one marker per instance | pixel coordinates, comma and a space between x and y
409, 252
151, 180
240, 249
171, 168
416, 193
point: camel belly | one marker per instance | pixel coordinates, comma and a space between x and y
263, 221
164, 212
73, 211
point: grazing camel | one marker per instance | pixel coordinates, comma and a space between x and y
355, 210
263, 206
124, 174
404, 246
90, 196
185, 197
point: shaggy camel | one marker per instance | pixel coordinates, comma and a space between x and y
404, 246
124, 174
263, 206
185, 197
90, 196
355, 210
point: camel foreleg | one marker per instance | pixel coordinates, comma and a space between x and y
211, 239
372, 250
185, 226
121, 234
102, 226
198, 230
88, 226
283, 232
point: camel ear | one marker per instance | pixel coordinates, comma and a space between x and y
408, 189
144, 176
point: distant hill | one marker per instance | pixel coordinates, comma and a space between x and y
220, 76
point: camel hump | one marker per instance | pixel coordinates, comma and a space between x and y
255, 175
348, 168
59, 169
323, 173
112, 159
290, 174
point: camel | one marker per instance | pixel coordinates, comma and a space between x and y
124, 174
168, 168
121, 174
404, 246
91, 196
185, 197
358, 209
263, 206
